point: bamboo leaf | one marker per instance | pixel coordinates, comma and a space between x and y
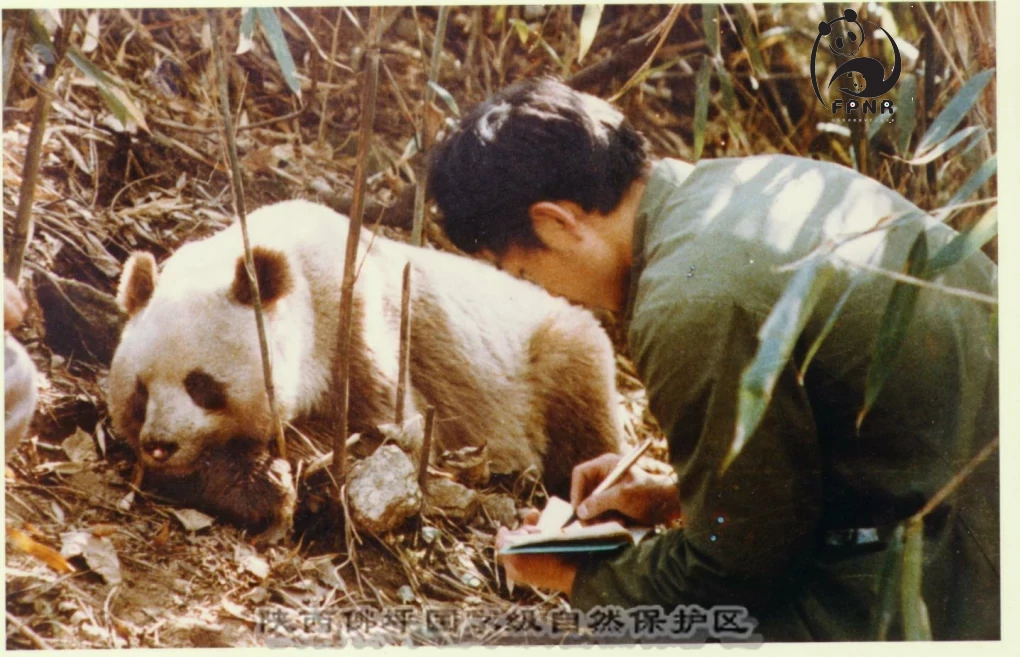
966, 243
915, 615
976, 180
906, 116
829, 324
895, 321
942, 147
701, 93
246, 33
550, 51
278, 43
522, 30
589, 27
42, 44
91, 40
119, 102
729, 99
777, 338
446, 96
748, 28
710, 25
955, 111
888, 586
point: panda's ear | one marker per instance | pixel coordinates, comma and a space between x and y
137, 282
824, 28
272, 272
850, 15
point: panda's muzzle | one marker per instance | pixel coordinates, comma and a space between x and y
159, 450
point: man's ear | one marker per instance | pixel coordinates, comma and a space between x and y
272, 272
556, 223
137, 282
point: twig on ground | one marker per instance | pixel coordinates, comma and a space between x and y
22, 627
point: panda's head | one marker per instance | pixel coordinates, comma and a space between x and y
843, 41
187, 374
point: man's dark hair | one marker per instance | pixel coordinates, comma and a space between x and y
536, 140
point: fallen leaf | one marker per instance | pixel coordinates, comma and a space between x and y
99, 552
79, 447
250, 561
104, 530
44, 553
236, 610
124, 503
191, 519
163, 536
330, 576
59, 467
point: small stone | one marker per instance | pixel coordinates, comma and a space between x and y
459, 503
501, 509
383, 490
405, 594
408, 436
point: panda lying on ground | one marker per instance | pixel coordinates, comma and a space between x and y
502, 361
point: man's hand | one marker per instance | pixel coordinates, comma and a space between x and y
646, 498
545, 571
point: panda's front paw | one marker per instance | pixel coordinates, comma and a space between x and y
285, 493
249, 489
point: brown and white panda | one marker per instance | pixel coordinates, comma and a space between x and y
502, 361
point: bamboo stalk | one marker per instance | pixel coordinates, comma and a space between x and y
343, 347
405, 342
238, 193
424, 136
23, 224
426, 447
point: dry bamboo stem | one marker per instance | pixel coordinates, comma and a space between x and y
23, 224
405, 342
424, 138
343, 346
426, 447
238, 189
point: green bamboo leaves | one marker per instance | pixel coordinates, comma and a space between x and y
111, 89
273, 30
966, 243
777, 338
702, 90
894, 325
940, 138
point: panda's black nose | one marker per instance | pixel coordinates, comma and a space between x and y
160, 450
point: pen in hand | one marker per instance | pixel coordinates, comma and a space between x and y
622, 466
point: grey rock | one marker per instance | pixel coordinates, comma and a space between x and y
501, 509
457, 502
383, 490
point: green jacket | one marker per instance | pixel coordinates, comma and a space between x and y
708, 240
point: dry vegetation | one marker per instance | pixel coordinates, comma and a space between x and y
152, 174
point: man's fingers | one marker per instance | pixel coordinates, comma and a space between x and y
531, 517
596, 505
586, 476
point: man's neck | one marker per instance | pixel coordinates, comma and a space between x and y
619, 226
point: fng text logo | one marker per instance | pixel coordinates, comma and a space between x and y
871, 71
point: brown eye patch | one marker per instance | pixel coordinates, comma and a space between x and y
139, 399
205, 391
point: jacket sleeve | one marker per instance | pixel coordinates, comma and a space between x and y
744, 532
